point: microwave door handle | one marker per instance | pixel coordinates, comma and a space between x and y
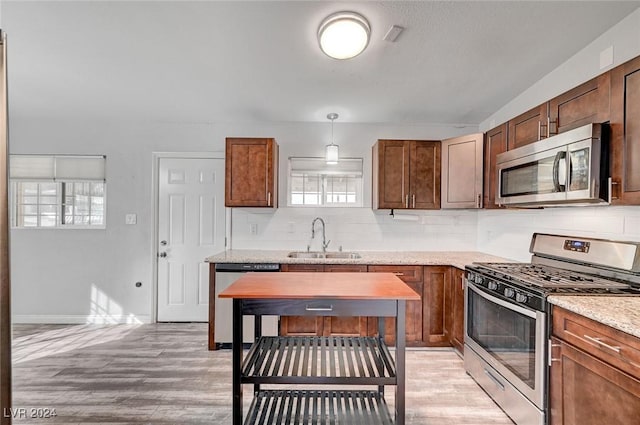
565, 171
556, 171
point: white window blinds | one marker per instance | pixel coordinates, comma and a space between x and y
345, 167
57, 167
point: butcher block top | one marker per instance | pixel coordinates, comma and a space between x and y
347, 286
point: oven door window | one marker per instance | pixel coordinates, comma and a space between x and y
507, 335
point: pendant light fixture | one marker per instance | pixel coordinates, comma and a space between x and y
331, 150
344, 35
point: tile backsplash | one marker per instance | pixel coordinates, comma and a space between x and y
506, 233
354, 229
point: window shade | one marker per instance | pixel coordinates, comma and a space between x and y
318, 166
57, 167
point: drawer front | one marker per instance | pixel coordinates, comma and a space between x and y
315, 307
405, 273
601, 341
302, 268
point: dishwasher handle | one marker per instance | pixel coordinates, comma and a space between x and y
247, 267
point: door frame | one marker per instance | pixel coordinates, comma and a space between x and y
155, 199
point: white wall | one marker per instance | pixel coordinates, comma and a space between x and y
508, 233
581, 67
80, 275
76, 275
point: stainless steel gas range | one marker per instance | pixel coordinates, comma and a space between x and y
507, 316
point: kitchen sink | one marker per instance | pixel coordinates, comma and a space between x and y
350, 255
316, 254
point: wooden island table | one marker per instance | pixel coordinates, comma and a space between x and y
319, 361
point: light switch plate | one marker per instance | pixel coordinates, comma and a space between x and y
130, 218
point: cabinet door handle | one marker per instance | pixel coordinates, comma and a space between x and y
479, 201
539, 130
406, 201
269, 199
601, 343
617, 185
414, 200
398, 273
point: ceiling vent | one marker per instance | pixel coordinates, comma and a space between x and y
393, 33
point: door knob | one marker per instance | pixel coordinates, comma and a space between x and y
163, 243
162, 254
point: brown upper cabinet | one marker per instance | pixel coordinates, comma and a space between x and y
528, 127
406, 174
495, 143
625, 132
462, 172
588, 103
251, 172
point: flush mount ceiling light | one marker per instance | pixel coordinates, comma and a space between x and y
331, 150
344, 35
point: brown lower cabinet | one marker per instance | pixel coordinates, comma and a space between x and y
595, 373
434, 321
436, 302
328, 325
457, 309
413, 277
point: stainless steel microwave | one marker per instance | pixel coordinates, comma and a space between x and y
567, 169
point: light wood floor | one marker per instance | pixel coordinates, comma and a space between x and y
163, 374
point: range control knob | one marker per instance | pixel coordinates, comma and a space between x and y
521, 298
509, 293
492, 285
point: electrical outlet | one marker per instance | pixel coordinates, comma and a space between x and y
130, 218
253, 228
291, 227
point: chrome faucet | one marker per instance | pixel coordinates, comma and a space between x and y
325, 242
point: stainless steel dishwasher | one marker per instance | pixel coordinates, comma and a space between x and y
226, 274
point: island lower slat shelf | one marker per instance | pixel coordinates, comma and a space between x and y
283, 407
319, 360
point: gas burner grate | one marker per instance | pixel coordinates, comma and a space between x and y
548, 277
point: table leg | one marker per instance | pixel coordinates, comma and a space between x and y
237, 362
381, 335
400, 362
257, 329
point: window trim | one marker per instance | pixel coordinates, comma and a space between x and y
359, 174
13, 213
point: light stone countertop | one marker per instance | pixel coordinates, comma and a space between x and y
442, 258
619, 312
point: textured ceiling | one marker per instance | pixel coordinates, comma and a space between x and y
456, 62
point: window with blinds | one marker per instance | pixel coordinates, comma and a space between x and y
57, 191
313, 182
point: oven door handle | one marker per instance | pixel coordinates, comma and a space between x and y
502, 303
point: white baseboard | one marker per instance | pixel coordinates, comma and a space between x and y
79, 319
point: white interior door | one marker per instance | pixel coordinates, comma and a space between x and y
191, 227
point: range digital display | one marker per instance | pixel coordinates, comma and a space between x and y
576, 245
